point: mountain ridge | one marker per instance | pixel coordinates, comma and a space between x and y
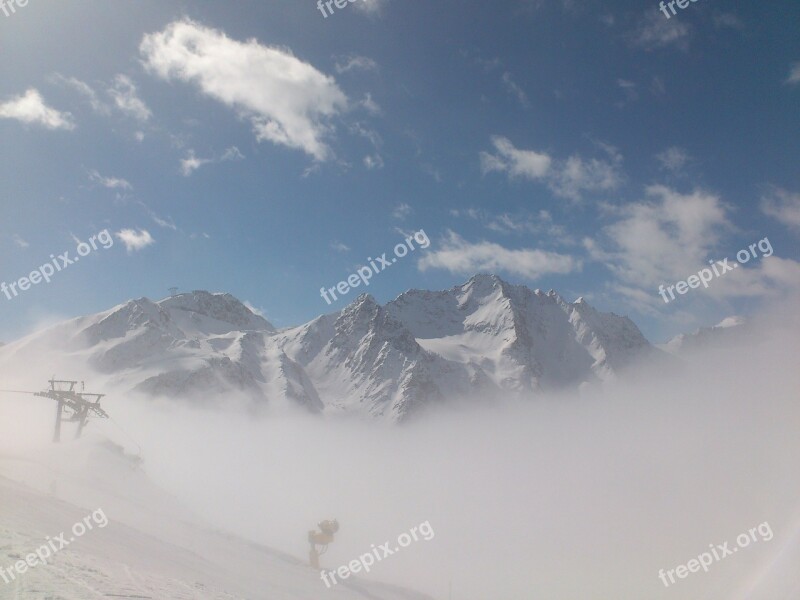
482, 339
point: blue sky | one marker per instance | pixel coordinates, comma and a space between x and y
258, 148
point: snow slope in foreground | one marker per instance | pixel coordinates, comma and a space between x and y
150, 547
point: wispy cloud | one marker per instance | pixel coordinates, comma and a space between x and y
126, 99
19, 242
673, 159
458, 256
373, 161
31, 109
109, 182
166, 223
794, 74
527, 164
783, 206
255, 310
372, 7
402, 211
370, 105
354, 62
662, 238
629, 88
85, 90
191, 163
655, 31
728, 20
566, 178
515, 90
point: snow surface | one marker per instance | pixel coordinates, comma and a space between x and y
151, 548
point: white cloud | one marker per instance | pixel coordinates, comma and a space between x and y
794, 74
471, 213
783, 206
370, 105
729, 20
191, 163
771, 276
109, 182
522, 222
167, 223
657, 87
630, 89
567, 178
515, 90
401, 211
672, 236
373, 161
85, 90
31, 108
340, 247
20, 243
517, 163
127, 100
673, 159
122, 92
576, 175
370, 134
231, 154
656, 31
666, 237
135, 240
355, 62
255, 310
288, 101
458, 256
372, 7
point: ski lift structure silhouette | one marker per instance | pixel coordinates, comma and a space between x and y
73, 406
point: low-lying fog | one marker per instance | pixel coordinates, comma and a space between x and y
560, 498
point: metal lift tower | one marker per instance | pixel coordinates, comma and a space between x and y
77, 405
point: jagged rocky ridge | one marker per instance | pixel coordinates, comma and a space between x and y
480, 340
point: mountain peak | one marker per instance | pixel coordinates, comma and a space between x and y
483, 285
364, 300
486, 281
220, 306
485, 277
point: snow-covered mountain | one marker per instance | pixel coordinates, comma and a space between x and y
483, 339
730, 330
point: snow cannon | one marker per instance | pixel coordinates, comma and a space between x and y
321, 538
